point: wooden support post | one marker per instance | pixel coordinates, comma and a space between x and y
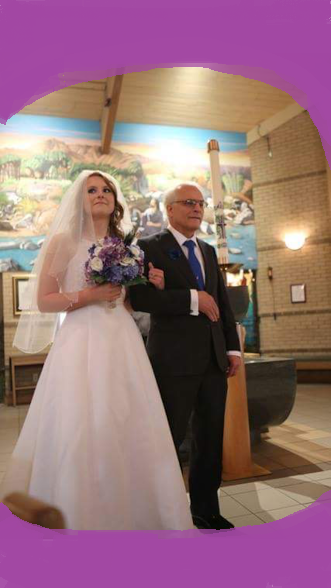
237, 460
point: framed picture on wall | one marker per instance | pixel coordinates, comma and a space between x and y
298, 293
20, 282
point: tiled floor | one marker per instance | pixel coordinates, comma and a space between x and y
297, 453
298, 456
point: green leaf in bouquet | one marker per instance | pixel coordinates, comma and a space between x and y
137, 281
129, 237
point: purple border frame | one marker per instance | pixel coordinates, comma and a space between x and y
51, 44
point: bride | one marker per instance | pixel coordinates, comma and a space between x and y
95, 442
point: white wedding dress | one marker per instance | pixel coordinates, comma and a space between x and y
96, 441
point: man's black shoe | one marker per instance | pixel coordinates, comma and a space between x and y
216, 522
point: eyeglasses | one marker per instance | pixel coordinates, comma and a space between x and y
190, 203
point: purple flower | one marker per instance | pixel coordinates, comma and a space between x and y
130, 272
121, 264
92, 249
115, 274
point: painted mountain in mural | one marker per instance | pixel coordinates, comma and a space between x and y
85, 153
55, 158
33, 181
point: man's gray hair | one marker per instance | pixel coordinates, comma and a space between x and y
171, 195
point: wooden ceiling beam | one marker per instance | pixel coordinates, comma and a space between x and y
112, 96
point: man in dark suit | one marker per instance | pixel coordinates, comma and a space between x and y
192, 344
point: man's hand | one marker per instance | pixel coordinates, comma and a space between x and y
208, 306
156, 277
234, 365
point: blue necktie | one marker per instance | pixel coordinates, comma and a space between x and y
195, 264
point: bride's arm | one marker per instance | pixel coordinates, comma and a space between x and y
55, 301
50, 299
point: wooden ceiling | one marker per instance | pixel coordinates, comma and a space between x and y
180, 96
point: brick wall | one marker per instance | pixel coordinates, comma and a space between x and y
291, 194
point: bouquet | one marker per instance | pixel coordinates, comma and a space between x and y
115, 261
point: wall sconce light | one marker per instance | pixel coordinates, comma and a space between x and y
295, 241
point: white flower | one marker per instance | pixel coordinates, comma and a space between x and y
96, 264
97, 250
128, 261
135, 250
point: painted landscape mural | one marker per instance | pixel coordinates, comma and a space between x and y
41, 156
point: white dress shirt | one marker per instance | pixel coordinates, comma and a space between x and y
194, 293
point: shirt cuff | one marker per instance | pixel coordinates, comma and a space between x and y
237, 353
194, 302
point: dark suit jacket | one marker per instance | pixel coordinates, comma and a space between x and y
178, 342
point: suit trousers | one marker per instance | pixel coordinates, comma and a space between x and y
203, 396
